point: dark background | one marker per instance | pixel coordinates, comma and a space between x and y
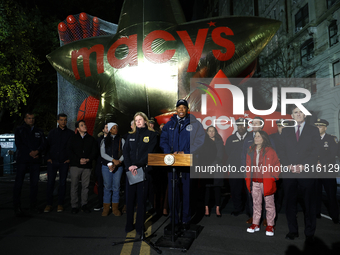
43, 38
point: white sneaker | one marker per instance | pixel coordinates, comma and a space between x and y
253, 228
269, 231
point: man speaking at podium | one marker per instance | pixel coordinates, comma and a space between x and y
183, 134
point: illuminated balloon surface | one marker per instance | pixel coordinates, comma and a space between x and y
147, 65
220, 111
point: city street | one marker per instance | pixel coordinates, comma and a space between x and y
66, 233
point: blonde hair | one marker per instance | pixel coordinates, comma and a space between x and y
143, 115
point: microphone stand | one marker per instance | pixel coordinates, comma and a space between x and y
142, 237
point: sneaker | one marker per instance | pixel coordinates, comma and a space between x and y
253, 228
48, 208
98, 207
60, 208
85, 209
269, 231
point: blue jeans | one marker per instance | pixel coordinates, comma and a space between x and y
52, 169
111, 184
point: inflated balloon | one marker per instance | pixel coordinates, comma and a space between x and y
220, 107
147, 65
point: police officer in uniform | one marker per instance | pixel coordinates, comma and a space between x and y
233, 149
31, 144
141, 141
326, 161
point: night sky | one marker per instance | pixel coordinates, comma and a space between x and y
103, 9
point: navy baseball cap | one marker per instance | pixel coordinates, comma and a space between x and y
182, 102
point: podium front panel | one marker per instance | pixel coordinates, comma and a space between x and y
157, 159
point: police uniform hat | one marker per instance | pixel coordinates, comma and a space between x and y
152, 120
280, 122
321, 122
182, 102
241, 121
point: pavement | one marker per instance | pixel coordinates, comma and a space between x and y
90, 233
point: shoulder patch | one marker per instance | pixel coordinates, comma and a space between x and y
189, 127
335, 138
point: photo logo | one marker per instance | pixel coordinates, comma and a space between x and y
204, 96
238, 99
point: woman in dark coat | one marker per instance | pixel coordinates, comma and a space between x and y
141, 141
216, 150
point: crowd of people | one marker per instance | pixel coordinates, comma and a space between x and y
123, 161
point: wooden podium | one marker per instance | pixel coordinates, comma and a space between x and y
183, 242
159, 159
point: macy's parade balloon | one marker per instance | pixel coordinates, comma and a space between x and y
219, 104
147, 65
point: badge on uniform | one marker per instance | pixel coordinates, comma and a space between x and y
325, 145
146, 139
189, 128
235, 141
132, 139
37, 135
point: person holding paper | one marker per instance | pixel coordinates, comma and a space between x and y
141, 141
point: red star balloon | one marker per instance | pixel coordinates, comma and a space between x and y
220, 114
147, 65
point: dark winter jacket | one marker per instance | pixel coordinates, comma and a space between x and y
234, 149
29, 139
188, 137
137, 147
114, 150
86, 147
58, 142
212, 154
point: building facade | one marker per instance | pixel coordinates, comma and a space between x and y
306, 46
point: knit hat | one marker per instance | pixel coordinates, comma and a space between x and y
110, 125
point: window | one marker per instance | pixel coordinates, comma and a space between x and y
307, 51
301, 18
310, 83
330, 3
333, 33
336, 73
